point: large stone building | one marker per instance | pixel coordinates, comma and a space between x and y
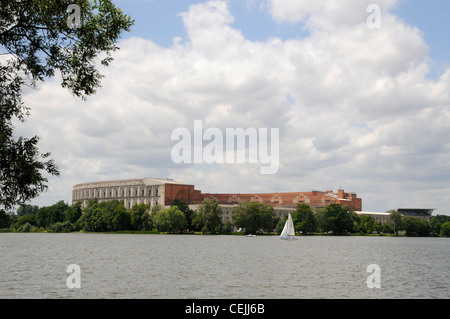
157, 191
154, 191
150, 191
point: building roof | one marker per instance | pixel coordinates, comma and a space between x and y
145, 180
416, 211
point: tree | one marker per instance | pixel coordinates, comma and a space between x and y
254, 217
5, 220
155, 209
208, 216
436, 223
321, 219
61, 227
26, 209
339, 219
445, 229
74, 212
91, 220
25, 219
395, 221
366, 225
121, 219
170, 220
414, 226
139, 216
280, 224
105, 216
188, 212
304, 219
51, 214
36, 40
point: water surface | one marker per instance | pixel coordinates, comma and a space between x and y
186, 266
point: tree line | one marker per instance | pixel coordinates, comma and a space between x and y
255, 218
111, 216
337, 219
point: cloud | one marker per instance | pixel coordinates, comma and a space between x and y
325, 14
354, 106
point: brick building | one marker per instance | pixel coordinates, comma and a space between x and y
154, 191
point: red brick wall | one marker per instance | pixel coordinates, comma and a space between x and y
313, 199
316, 199
175, 191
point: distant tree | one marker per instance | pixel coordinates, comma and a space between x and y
105, 216
304, 219
155, 208
61, 227
395, 221
227, 227
415, 227
208, 216
91, 220
188, 212
366, 225
51, 214
386, 228
73, 213
26, 227
121, 219
170, 220
25, 219
321, 219
139, 216
280, 224
5, 219
436, 223
445, 229
339, 219
254, 217
26, 209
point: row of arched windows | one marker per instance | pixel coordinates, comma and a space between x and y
115, 192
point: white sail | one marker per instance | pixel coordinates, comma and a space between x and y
288, 230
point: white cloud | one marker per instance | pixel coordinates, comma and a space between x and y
325, 14
354, 107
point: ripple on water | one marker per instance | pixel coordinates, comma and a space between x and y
186, 266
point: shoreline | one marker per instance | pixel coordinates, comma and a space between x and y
137, 232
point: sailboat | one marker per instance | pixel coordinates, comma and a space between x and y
288, 232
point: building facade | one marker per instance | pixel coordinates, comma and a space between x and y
149, 191
157, 191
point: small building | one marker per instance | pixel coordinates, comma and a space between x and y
381, 217
421, 213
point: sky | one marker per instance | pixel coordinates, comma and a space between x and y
360, 108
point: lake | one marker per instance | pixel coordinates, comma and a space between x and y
34, 265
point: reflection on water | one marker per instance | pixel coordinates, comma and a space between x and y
188, 266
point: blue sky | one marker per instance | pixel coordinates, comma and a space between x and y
433, 18
159, 21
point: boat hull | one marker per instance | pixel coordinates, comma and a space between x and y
288, 238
